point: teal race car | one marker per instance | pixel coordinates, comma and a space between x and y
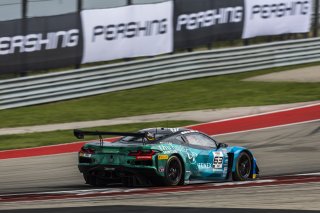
162, 156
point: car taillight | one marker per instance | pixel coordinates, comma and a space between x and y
142, 154
87, 150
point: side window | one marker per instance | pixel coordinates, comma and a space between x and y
200, 140
180, 139
175, 140
193, 139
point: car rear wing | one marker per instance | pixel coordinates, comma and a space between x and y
144, 135
80, 134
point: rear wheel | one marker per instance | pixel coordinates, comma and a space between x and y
173, 172
243, 167
90, 179
93, 180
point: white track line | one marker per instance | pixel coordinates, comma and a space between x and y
258, 114
264, 128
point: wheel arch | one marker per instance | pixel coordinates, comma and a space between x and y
183, 163
235, 159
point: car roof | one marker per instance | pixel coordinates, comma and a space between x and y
158, 134
167, 131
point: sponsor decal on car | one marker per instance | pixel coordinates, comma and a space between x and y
163, 157
204, 165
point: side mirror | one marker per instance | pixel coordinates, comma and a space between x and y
222, 145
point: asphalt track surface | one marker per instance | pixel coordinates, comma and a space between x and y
140, 209
289, 149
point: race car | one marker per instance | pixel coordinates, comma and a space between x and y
162, 156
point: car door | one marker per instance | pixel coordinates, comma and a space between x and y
210, 163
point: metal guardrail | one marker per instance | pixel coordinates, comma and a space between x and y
107, 78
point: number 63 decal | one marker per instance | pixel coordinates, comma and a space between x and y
217, 160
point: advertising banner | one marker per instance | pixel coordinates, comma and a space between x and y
125, 32
204, 21
275, 17
40, 43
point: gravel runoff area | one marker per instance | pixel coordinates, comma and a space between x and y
307, 75
199, 116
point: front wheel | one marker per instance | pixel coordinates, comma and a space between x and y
173, 172
243, 167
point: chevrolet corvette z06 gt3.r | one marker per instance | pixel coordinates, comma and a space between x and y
162, 156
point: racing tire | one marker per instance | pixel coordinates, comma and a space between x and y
101, 182
90, 179
243, 167
173, 174
126, 182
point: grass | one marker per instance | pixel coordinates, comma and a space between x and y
203, 93
8, 142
